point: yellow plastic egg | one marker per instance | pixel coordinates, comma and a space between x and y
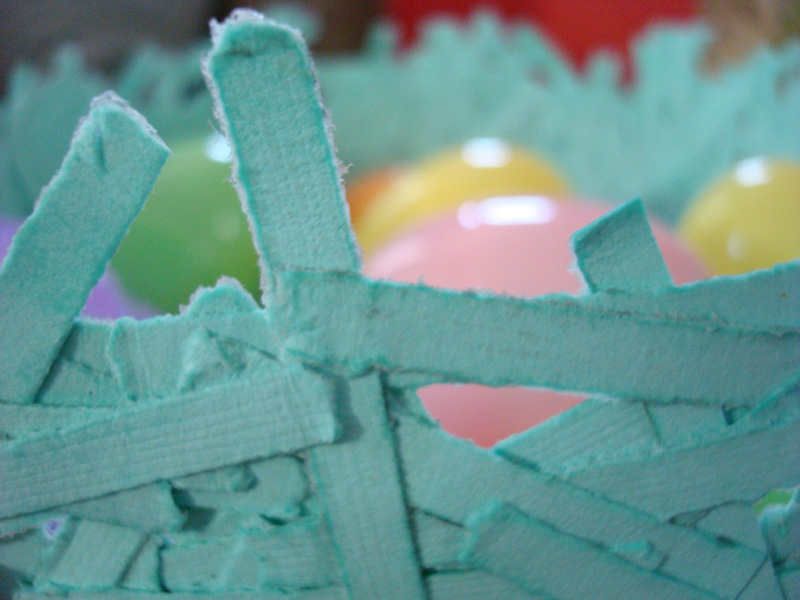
748, 219
478, 169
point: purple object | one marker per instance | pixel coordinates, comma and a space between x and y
51, 528
106, 301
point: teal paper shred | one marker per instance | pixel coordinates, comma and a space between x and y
790, 582
674, 421
736, 521
207, 361
97, 557
18, 420
86, 344
293, 556
541, 560
60, 533
464, 477
764, 299
71, 384
354, 324
689, 478
226, 297
618, 251
359, 480
222, 426
474, 585
114, 156
197, 565
583, 433
22, 552
277, 489
235, 478
82, 375
146, 508
143, 353
764, 584
328, 593
309, 229
439, 541
144, 572
267, 98
289, 557
597, 431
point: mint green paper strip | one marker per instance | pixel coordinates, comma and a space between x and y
359, 481
97, 557
790, 582
82, 375
85, 211
690, 478
464, 477
20, 420
147, 508
267, 100
556, 341
294, 556
160, 357
298, 555
439, 542
544, 561
219, 427
235, 478
279, 487
108, 364
618, 251
767, 299
588, 430
764, 585
328, 593
474, 585
144, 572
197, 564
736, 521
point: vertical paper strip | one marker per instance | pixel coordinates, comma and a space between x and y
268, 103
359, 480
61, 251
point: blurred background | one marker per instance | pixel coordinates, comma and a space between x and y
108, 31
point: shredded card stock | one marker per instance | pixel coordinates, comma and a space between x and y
277, 449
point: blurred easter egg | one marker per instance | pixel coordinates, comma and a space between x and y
479, 168
191, 231
364, 189
517, 245
107, 300
748, 219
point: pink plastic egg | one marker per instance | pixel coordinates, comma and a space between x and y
517, 245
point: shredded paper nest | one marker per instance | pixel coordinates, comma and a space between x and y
278, 450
